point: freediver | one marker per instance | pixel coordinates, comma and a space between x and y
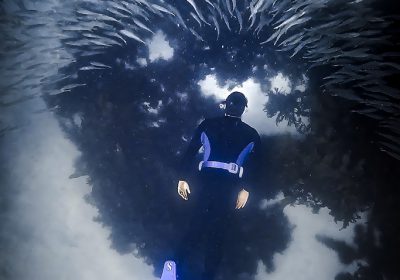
221, 185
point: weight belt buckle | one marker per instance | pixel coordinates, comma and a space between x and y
233, 168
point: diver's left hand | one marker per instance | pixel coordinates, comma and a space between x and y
242, 199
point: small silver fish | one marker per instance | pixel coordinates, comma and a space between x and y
87, 68
239, 18
229, 7
196, 35
191, 2
216, 25
98, 64
226, 21
196, 18
162, 9
142, 25
129, 34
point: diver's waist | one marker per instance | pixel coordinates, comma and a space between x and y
231, 166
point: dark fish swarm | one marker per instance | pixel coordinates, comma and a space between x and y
350, 38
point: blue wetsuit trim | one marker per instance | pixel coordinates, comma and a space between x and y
207, 147
244, 153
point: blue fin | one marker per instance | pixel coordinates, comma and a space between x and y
169, 271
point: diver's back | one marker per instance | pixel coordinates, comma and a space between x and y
228, 136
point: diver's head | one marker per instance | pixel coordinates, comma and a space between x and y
235, 104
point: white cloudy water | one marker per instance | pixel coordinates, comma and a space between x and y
49, 231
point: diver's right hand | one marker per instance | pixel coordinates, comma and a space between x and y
183, 189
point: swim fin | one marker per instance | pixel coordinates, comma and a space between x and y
169, 271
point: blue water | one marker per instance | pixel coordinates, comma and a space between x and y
89, 176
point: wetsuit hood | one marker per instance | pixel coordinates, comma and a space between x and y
235, 104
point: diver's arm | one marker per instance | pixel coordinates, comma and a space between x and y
188, 156
250, 170
252, 166
190, 152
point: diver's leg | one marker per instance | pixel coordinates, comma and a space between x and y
188, 243
215, 238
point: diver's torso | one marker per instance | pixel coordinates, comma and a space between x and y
228, 136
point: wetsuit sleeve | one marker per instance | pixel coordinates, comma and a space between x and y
186, 161
251, 167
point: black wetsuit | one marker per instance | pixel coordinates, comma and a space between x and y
214, 191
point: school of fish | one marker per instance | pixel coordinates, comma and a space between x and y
41, 42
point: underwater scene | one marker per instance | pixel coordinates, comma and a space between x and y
199, 140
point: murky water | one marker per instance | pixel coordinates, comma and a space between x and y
100, 99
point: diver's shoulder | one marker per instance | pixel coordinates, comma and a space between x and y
209, 121
251, 129
213, 119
